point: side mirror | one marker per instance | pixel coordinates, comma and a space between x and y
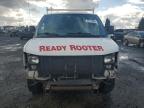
110, 36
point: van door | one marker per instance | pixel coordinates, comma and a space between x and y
130, 37
135, 39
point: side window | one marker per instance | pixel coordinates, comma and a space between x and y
42, 27
130, 34
136, 34
133, 34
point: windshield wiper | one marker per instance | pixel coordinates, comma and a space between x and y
78, 34
83, 34
46, 34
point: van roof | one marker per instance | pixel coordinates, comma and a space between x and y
85, 13
70, 11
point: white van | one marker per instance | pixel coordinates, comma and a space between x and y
70, 51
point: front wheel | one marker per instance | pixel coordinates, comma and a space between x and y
125, 42
21, 38
107, 86
141, 44
35, 87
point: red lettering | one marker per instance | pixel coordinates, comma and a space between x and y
78, 47
58, 48
53, 48
85, 48
100, 48
63, 47
42, 48
47, 48
95, 48
90, 48
72, 47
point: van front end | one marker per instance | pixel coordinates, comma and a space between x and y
70, 51
65, 67
72, 72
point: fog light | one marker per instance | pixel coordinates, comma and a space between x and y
32, 74
109, 74
106, 74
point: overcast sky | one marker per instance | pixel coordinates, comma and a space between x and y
122, 13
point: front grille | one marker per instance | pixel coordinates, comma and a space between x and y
70, 66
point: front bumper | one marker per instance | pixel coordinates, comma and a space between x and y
108, 74
69, 84
84, 84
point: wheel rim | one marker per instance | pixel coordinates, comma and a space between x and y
125, 42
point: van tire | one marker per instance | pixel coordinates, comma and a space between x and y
21, 38
125, 42
141, 44
35, 87
106, 86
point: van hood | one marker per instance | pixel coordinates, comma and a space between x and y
70, 46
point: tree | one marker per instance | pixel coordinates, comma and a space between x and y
141, 24
108, 27
107, 23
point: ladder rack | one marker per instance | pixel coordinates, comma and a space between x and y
70, 10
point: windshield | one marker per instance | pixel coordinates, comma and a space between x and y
77, 25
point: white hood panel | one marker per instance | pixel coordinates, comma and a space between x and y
70, 46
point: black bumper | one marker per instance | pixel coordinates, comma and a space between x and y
84, 84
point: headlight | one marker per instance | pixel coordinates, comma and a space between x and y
33, 59
109, 58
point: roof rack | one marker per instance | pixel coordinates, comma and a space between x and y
72, 10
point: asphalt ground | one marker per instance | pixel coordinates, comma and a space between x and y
128, 91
